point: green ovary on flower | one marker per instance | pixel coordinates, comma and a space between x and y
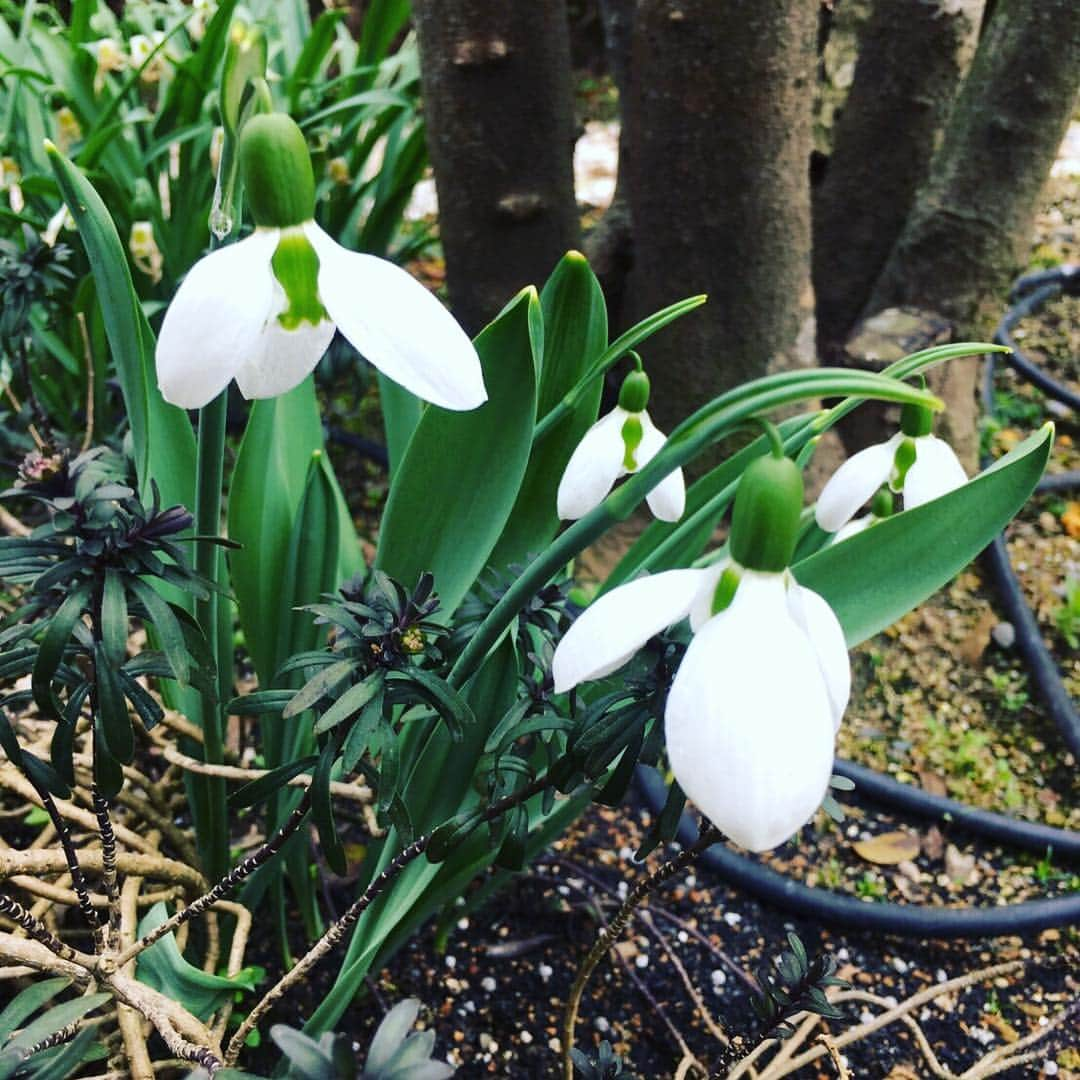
632, 433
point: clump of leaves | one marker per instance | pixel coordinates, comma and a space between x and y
383, 667
30, 273
396, 1052
49, 1045
795, 984
605, 1066
81, 576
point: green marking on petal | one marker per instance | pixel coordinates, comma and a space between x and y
725, 590
904, 459
296, 267
631, 437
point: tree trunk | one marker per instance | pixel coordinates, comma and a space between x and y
500, 129
911, 57
610, 245
971, 225
718, 182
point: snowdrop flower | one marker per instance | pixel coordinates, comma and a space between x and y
880, 509
109, 55
263, 311
618, 444
914, 462
752, 713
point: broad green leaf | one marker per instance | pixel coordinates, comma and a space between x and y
460, 475
267, 485
164, 445
877, 576
350, 703
167, 627
56, 1019
27, 1002
112, 713
575, 334
114, 619
163, 967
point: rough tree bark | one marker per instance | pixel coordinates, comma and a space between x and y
499, 112
720, 109
610, 245
911, 57
971, 224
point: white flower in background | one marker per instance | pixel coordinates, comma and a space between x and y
61, 220
913, 462
752, 713
263, 311
145, 253
68, 129
618, 444
109, 56
881, 507
140, 49
11, 182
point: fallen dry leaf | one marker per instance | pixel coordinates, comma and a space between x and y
933, 843
959, 866
973, 646
888, 849
1001, 1026
932, 782
1071, 520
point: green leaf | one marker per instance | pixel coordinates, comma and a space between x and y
164, 445
460, 475
450, 705
268, 484
163, 967
877, 576
575, 334
318, 686
168, 629
350, 703
27, 1002
56, 1019
112, 713
51, 651
114, 618
274, 780
322, 809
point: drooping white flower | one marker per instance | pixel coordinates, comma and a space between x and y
754, 707
619, 443
753, 711
913, 462
263, 311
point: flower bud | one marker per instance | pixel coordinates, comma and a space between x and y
882, 504
765, 521
278, 178
245, 59
634, 393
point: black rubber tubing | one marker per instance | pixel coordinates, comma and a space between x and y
1029, 294
825, 906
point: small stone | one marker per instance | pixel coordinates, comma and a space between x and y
488, 984
451, 962
899, 966
526, 1037
1004, 635
545, 971
732, 918
718, 977
641, 961
1050, 1068
487, 1043
601, 1024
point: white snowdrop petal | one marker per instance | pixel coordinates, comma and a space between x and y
667, 500
822, 628
853, 483
214, 322
749, 726
593, 468
283, 358
853, 528
936, 472
610, 630
701, 610
398, 325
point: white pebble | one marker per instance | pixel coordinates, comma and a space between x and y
682, 937
843, 955
545, 971
899, 966
1004, 635
488, 984
1050, 1068
718, 977
601, 1024
940, 975
526, 1037
691, 881
982, 1035
732, 918
642, 961
451, 962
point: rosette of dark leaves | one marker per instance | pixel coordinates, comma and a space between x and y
794, 984
605, 1066
383, 667
80, 577
538, 622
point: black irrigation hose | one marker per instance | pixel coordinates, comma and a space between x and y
910, 920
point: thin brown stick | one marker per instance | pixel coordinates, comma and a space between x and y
611, 933
156, 867
227, 885
88, 356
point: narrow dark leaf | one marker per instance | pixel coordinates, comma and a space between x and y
265, 786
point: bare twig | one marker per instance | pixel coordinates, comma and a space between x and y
614, 930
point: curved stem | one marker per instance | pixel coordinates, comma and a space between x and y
614, 930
